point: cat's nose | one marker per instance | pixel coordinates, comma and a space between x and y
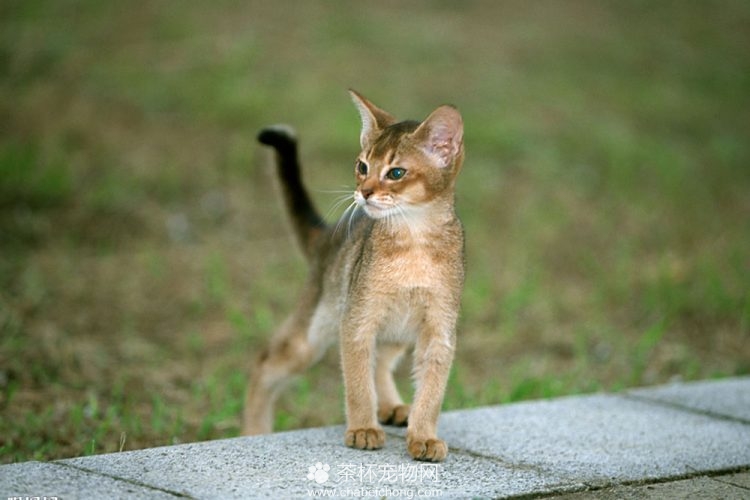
366, 192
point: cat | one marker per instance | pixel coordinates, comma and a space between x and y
388, 276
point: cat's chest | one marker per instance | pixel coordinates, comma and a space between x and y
409, 269
415, 267
391, 263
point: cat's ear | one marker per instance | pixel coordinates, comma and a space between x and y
374, 119
441, 135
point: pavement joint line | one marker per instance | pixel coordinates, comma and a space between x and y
682, 407
712, 475
122, 479
718, 479
547, 494
555, 493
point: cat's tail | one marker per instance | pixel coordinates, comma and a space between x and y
307, 222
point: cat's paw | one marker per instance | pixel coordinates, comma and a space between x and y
427, 450
365, 439
397, 415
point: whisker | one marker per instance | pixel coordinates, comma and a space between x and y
338, 202
331, 191
342, 198
405, 217
340, 220
351, 217
348, 213
387, 220
344, 189
400, 213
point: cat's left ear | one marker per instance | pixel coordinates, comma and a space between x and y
442, 135
374, 119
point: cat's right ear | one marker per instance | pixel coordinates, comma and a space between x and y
374, 119
442, 135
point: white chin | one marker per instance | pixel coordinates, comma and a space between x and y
375, 212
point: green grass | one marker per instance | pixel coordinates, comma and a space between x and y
27, 179
144, 256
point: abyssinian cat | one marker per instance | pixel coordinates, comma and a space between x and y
388, 276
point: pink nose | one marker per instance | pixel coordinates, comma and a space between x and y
366, 192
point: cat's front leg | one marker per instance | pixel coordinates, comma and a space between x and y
433, 356
357, 352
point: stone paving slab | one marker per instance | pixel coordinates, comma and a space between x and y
40, 479
278, 466
600, 439
727, 397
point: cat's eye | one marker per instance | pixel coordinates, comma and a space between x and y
396, 174
361, 167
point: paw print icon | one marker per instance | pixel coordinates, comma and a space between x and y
318, 472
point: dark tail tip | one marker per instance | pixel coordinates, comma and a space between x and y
281, 137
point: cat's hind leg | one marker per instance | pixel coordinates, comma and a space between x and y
291, 351
391, 408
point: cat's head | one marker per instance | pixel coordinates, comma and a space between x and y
406, 167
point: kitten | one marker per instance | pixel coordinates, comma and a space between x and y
389, 275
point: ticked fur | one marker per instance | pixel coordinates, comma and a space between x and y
390, 278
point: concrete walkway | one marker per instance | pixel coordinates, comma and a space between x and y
675, 441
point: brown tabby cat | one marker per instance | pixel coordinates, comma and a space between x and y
388, 276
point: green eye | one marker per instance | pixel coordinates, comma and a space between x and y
396, 174
361, 167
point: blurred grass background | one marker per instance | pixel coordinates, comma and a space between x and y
144, 255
